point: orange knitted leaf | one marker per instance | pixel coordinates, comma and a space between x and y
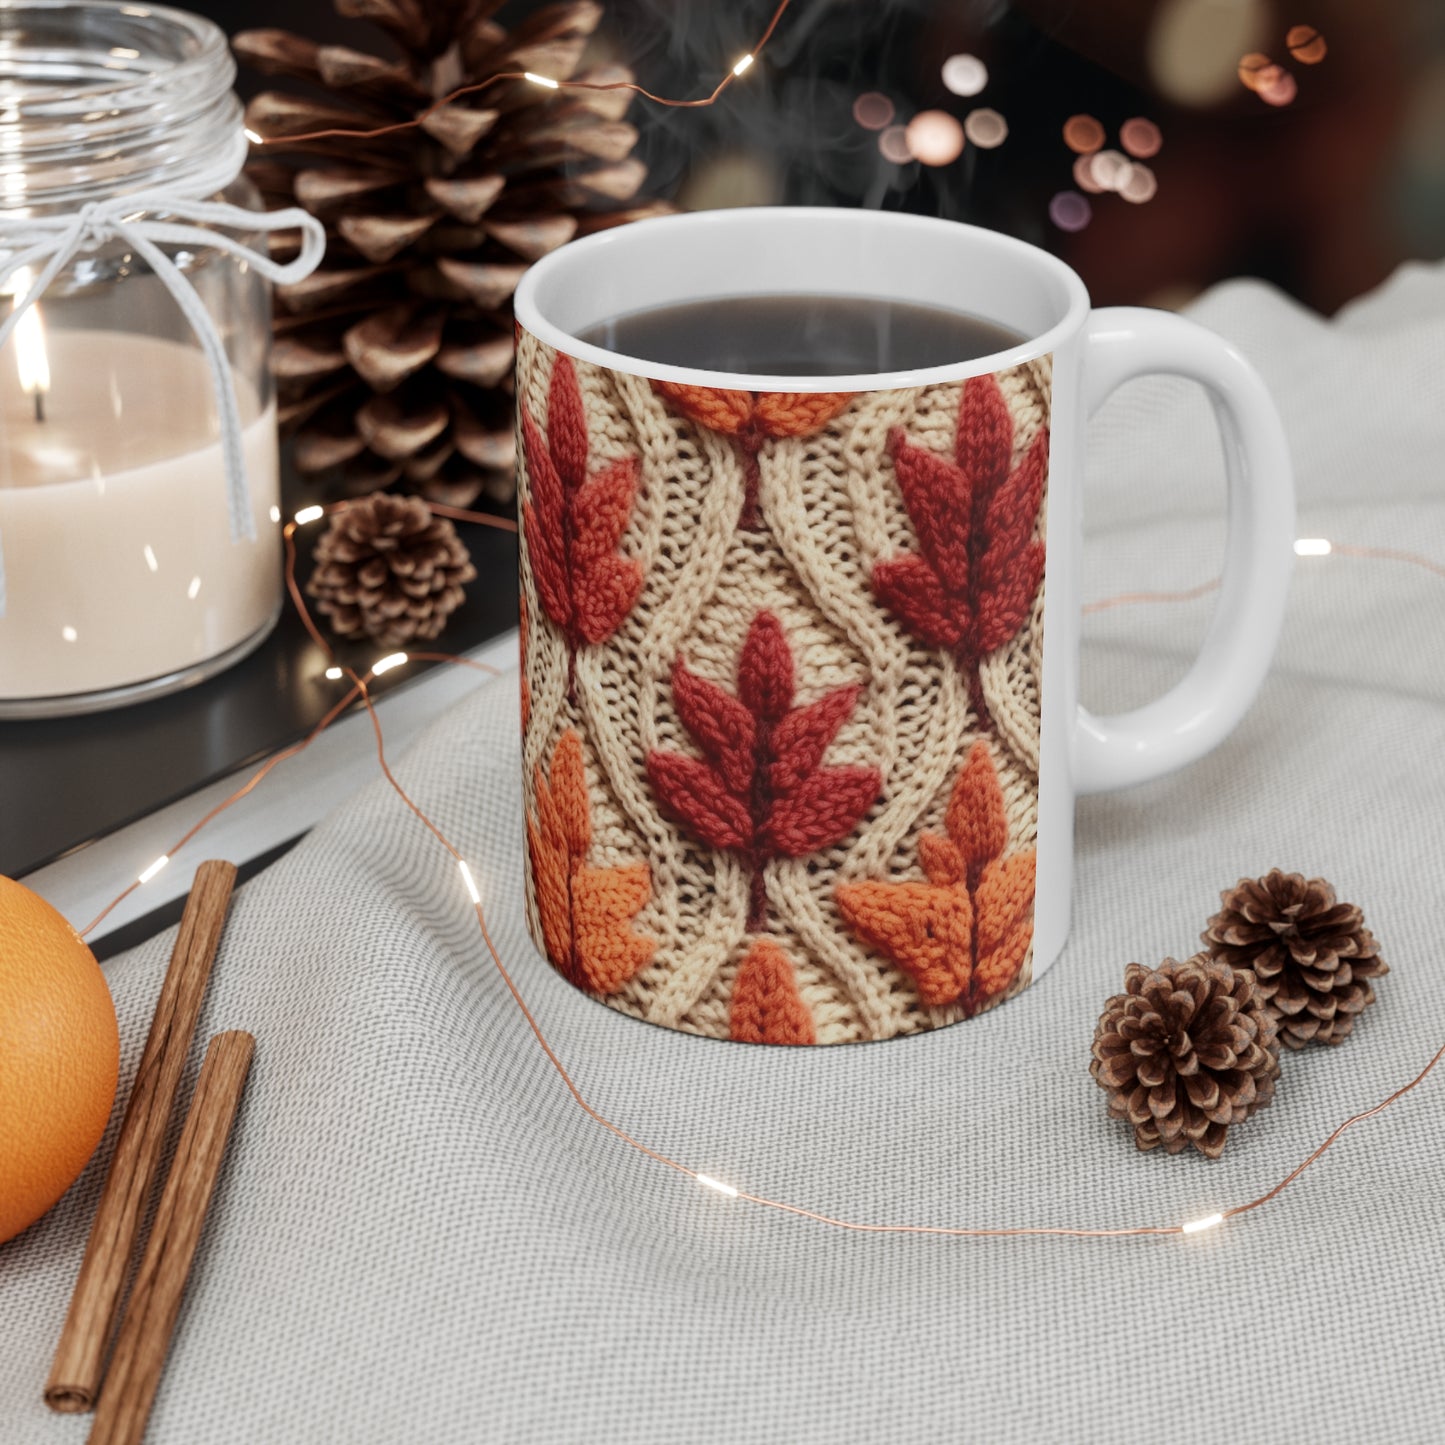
976, 820
766, 1007
925, 928
711, 406
604, 903
1004, 903
962, 936
797, 413
586, 912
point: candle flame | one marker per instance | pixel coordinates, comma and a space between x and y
31, 358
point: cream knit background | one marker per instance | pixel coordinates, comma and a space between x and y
831, 508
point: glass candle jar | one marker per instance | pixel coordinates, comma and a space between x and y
136, 560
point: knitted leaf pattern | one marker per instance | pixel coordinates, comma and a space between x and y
586, 912
972, 585
759, 789
575, 520
766, 1005
752, 417
961, 936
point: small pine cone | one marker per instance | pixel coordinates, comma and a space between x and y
1313, 958
387, 569
1185, 1051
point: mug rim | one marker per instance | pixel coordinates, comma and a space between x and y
592, 249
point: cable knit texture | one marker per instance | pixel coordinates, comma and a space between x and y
789, 647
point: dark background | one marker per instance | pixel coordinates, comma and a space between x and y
1323, 196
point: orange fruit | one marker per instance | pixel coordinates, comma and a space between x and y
59, 1056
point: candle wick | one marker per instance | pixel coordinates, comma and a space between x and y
39, 404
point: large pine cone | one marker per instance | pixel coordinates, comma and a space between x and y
1187, 1050
394, 359
388, 570
1312, 956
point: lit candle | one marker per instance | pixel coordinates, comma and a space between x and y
113, 517
31, 359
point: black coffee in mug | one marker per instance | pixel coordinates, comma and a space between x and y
801, 335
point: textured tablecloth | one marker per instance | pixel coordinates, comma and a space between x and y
418, 1237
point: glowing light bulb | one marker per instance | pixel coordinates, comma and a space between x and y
333, 674
385, 664
275, 513
708, 1182
1313, 547
1196, 1225
256, 140
469, 880
309, 514
742, 64
154, 868
545, 80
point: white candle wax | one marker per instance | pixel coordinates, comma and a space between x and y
113, 518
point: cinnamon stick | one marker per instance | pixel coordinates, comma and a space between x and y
155, 1298
75, 1372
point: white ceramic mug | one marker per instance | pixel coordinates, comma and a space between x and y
802, 737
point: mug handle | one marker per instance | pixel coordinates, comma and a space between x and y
1199, 711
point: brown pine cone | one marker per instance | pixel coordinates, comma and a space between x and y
387, 569
394, 360
1185, 1051
1312, 957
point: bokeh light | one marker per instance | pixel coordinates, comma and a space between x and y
1110, 170
1084, 175
1306, 44
1070, 211
872, 110
1194, 46
893, 142
1140, 185
1278, 87
1083, 134
965, 74
985, 128
934, 137
1140, 137
1252, 66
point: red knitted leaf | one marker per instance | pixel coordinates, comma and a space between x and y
939, 501
762, 791
908, 586
714, 407
979, 569
574, 521
603, 594
821, 809
984, 437
765, 669
691, 792
567, 424
602, 509
801, 739
766, 1007
722, 726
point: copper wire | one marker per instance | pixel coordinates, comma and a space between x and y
359, 689
344, 133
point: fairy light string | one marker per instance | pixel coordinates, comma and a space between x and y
360, 691
545, 82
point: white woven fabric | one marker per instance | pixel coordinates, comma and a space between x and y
418, 1237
